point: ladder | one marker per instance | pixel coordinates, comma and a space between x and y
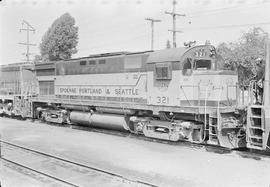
214, 121
212, 130
213, 117
255, 127
210, 120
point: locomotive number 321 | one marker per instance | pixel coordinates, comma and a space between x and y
162, 100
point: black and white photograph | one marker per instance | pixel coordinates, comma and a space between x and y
135, 93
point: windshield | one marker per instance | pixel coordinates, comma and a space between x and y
202, 64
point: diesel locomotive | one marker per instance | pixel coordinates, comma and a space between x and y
177, 94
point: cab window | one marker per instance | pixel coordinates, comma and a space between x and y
202, 64
163, 71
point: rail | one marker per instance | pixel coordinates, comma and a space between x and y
102, 172
38, 172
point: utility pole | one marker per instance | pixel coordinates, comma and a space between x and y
173, 14
28, 44
152, 30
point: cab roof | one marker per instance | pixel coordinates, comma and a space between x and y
167, 55
172, 54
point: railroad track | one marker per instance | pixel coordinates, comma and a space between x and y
245, 153
45, 176
38, 175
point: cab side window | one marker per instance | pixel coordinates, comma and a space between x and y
163, 71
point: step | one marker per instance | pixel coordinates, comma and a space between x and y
255, 147
254, 127
213, 141
255, 137
256, 116
253, 123
255, 144
256, 106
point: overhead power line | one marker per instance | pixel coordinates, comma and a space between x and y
229, 8
160, 34
123, 24
227, 26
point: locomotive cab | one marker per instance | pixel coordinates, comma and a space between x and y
203, 69
190, 77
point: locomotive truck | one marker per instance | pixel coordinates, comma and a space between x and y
177, 94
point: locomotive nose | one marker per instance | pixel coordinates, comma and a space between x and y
216, 87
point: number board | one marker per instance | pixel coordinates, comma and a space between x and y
200, 53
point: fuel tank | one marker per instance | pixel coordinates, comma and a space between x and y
82, 118
106, 121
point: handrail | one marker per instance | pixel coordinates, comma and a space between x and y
251, 89
218, 109
184, 95
205, 105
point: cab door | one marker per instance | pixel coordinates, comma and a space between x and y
188, 91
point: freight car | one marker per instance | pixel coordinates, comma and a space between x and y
17, 83
172, 94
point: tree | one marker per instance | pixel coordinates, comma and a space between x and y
37, 59
247, 55
60, 40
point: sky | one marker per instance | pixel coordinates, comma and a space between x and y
120, 25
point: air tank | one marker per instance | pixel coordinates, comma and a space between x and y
106, 121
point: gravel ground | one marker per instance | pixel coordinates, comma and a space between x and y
160, 164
